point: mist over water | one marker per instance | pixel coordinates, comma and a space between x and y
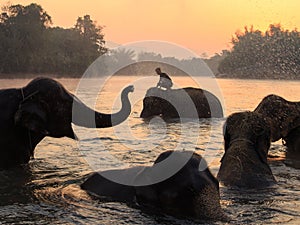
47, 190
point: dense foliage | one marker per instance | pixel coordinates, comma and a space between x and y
273, 54
29, 45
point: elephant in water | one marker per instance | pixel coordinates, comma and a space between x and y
181, 103
44, 108
247, 141
284, 119
189, 192
283, 115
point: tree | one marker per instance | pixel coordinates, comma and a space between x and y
22, 28
150, 56
91, 32
214, 61
274, 53
123, 56
30, 45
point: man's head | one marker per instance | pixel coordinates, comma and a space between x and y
158, 71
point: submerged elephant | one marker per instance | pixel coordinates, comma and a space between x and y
283, 115
247, 141
44, 108
188, 192
181, 103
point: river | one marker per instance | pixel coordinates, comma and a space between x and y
47, 190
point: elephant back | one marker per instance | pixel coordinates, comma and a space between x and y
185, 100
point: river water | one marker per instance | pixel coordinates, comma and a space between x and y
47, 190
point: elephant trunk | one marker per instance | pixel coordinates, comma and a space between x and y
86, 117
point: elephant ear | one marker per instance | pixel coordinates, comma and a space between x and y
31, 116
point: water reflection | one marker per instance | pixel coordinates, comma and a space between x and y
14, 185
47, 190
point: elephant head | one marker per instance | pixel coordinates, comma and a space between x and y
283, 115
247, 141
156, 106
181, 103
189, 192
45, 108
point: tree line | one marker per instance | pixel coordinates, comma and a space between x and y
274, 53
30, 45
125, 61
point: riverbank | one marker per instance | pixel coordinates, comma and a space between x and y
260, 77
33, 75
221, 76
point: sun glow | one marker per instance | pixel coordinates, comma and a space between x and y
202, 26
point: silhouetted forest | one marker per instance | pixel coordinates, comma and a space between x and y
256, 54
30, 45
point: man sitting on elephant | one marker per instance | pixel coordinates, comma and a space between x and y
164, 80
186, 102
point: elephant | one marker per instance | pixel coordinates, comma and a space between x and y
181, 103
189, 192
283, 115
246, 142
44, 108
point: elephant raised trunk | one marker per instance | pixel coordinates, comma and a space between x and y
86, 117
45, 108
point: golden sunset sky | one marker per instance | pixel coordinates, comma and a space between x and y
199, 25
